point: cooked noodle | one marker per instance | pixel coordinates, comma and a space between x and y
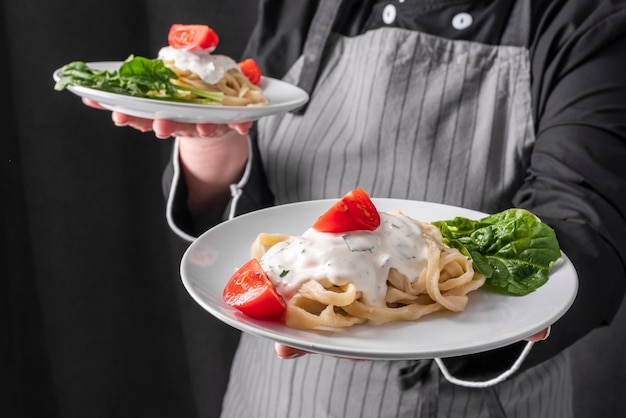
443, 283
237, 89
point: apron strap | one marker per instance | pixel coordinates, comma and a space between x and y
315, 44
517, 30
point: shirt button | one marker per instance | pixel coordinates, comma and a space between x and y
389, 14
462, 21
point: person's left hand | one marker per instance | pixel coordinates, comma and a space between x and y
285, 352
540, 336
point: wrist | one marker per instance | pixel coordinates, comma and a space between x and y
209, 166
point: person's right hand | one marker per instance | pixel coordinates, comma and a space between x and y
163, 128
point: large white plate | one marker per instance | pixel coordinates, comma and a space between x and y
282, 97
490, 320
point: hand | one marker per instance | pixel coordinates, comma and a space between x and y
166, 128
540, 336
286, 352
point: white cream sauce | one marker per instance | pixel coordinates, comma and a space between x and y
361, 257
211, 68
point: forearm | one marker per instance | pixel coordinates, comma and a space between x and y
209, 166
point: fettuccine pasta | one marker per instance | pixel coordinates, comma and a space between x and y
237, 89
203, 70
399, 272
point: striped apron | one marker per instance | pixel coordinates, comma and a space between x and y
402, 114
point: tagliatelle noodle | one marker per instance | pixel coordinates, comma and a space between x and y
237, 89
304, 313
442, 284
264, 241
330, 294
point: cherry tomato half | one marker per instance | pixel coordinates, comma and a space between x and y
251, 291
192, 37
251, 70
353, 212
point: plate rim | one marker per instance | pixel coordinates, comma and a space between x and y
118, 102
267, 329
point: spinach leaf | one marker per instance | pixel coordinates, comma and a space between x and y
137, 76
513, 249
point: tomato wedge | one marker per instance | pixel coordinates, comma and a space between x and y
251, 70
353, 212
251, 291
192, 37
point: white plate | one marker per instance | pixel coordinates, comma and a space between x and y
282, 97
490, 320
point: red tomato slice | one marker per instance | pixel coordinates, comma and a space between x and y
251, 70
353, 212
252, 292
192, 37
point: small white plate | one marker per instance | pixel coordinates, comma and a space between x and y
282, 97
490, 321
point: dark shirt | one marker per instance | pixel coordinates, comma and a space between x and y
577, 178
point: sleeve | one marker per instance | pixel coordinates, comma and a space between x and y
576, 182
577, 177
279, 34
250, 193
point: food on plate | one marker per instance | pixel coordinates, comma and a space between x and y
358, 264
399, 271
355, 211
184, 71
192, 37
512, 248
253, 293
250, 69
190, 56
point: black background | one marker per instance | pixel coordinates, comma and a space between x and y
94, 319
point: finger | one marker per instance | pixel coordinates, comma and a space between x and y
92, 103
285, 352
211, 129
164, 128
122, 119
241, 128
540, 336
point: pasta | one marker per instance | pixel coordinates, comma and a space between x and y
237, 89
400, 272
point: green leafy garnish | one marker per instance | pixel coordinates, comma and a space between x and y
137, 76
513, 249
